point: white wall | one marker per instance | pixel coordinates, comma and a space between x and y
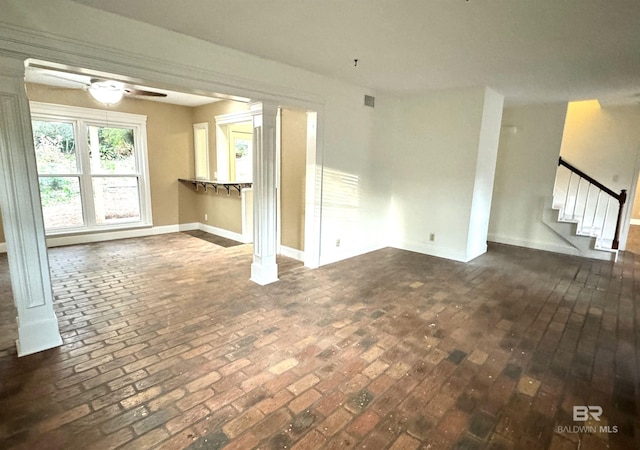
69, 33
436, 145
352, 188
525, 175
485, 173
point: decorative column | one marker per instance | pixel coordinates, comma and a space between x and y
264, 269
22, 215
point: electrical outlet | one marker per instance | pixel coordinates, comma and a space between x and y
338, 242
432, 237
206, 217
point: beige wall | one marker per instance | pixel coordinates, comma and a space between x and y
170, 151
604, 142
207, 114
222, 210
635, 212
293, 149
169, 143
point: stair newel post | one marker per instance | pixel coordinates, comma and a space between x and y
621, 199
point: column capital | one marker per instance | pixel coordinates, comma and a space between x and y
269, 106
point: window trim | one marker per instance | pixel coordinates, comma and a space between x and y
207, 167
80, 118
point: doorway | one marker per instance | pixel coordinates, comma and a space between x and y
633, 235
291, 164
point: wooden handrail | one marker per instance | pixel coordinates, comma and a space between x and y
621, 197
580, 173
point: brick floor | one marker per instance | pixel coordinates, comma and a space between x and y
168, 345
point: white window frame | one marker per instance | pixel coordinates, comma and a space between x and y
222, 138
197, 150
81, 118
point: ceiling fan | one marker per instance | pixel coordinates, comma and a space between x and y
103, 90
111, 92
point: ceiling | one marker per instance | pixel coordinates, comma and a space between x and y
71, 80
542, 50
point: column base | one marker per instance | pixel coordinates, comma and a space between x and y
38, 336
263, 274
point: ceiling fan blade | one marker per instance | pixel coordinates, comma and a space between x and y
81, 84
141, 92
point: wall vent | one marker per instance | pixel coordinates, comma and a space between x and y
369, 100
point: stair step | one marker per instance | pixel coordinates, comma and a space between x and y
605, 247
570, 219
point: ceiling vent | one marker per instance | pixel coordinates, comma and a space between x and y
369, 100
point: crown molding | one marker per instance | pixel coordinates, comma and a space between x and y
62, 52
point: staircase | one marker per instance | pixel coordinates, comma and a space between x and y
585, 213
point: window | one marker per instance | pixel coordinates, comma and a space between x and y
92, 168
201, 148
241, 154
234, 145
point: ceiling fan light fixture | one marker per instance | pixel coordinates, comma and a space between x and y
107, 92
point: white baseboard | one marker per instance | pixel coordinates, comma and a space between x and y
224, 233
330, 258
433, 250
57, 241
534, 245
37, 336
292, 253
189, 226
635, 221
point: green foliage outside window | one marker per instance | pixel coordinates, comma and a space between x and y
55, 147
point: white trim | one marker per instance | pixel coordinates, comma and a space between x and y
346, 253
82, 118
278, 180
627, 217
189, 226
534, 245
56, 111
23, 224
247, 216
223, 233
433, 250
292, 253
264, 268
264, 274
58, 241
238, 117
634, 221
223, 140
313, 190
88, 238
201, 126
38, 336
